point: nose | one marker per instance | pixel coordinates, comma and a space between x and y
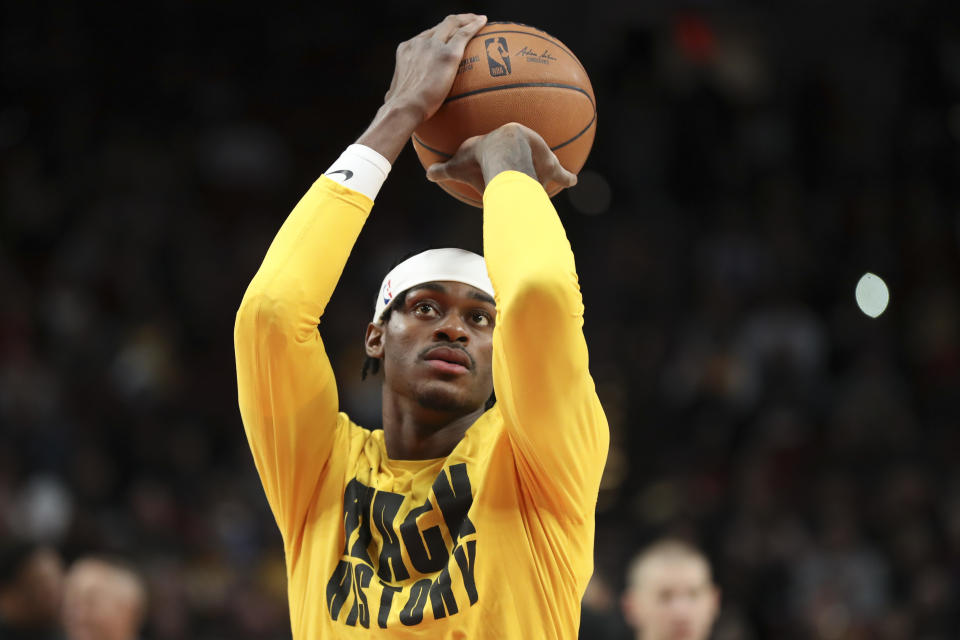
451, 329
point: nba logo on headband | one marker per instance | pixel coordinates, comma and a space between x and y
387, 293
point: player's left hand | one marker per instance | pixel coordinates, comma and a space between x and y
510, 147
427, 64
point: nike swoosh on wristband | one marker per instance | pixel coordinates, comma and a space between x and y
347, 174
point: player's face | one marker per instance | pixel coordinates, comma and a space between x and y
674, 600
437, 347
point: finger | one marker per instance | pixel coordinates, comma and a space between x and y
559, 174
437, 176
549, 170
445, 29
426, 33
438, 171
566, 178
453, 23
462, 36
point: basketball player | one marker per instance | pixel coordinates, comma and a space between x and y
103, 600
670, 593
456, 520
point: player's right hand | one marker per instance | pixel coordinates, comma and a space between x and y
427, 64
511, 147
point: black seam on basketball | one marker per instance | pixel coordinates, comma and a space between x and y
520, 85
429, 148
562, 144
585, 129
527, 33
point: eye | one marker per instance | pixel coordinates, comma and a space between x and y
424, 309
481, 318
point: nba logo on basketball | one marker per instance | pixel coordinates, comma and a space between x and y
498, 57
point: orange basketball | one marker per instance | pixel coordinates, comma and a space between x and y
513, 73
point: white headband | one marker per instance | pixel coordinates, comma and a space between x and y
435, 265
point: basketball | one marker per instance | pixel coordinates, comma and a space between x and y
512, 72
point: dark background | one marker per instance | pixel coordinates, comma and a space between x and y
751, 163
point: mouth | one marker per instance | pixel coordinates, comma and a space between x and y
448, 359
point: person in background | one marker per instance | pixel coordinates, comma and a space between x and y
103, 600
600, 615
31, 588
670, 593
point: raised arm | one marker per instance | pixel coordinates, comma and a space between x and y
543, 387
287, 393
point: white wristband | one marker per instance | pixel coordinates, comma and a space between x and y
360, 168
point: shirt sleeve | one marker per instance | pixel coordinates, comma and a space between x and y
287, 393
540, 376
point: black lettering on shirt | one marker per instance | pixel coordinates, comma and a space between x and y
370, 518
356, 510
362, 574
441, 595
429, 553
390, 565
338, 587
467, 562
386, 602
412, 613
455, 500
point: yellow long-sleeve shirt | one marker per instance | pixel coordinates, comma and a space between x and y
493, 541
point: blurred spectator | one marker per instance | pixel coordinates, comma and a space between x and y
103, 600
31, 588
599, 618
841, 585
670, 593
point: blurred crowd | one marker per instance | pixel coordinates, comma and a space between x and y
751, 164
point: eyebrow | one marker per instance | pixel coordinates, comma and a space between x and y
476, 295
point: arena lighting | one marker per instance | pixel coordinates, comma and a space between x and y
872, 295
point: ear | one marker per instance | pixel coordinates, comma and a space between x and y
630, 609
717, 597
373, 341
